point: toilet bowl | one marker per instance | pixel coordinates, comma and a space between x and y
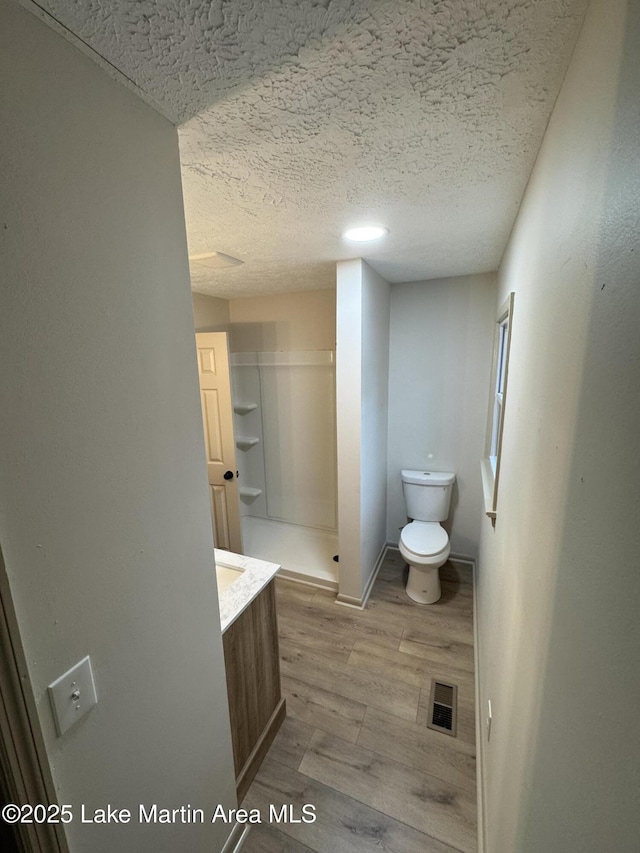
424, 543
425, 547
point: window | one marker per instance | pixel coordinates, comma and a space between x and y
499, 374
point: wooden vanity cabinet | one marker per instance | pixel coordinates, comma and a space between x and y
252, 664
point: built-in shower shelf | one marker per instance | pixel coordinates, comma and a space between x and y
244, 442
244, 408
248, 492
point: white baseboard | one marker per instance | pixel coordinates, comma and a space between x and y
361, 603
479, 722
308, 580
462, 558
455, 558
236, 839
349, 601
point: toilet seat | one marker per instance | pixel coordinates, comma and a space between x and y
424, 538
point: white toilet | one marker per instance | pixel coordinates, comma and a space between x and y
424, 543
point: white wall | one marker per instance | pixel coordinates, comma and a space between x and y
210, 314
559, 586
374, 408
362, 376
439, 365
104, 517
284, 321
348, 420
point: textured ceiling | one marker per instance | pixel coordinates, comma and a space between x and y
305, 117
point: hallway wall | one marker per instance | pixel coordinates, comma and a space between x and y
559, 586
104, 511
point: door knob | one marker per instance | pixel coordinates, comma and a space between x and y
228, 475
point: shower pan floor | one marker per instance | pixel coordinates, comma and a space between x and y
305, 553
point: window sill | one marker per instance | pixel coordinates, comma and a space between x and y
488, 489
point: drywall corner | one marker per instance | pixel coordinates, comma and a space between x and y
362, 378
348, 419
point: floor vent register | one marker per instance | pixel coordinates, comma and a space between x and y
443, 704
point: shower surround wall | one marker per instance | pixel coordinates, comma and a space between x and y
283, 364
284, 410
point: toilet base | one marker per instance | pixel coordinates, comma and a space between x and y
423, 585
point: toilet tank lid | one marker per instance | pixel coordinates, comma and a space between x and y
425, 478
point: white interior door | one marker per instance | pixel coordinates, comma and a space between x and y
217, 418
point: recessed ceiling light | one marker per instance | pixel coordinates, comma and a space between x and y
365, 233
214, 260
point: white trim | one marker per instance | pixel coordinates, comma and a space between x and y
289, 358
361, 603
488, 482
490, 467
453, 558
23, 755
237, 838
462, 558
479, 726
307, 580
349, 601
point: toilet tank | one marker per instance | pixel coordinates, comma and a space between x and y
427, 494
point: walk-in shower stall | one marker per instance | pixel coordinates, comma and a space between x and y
285, 433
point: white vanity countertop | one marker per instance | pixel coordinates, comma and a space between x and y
255, 575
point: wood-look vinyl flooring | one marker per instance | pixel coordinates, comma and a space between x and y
355, 742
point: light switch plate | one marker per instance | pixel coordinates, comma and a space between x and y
73, 695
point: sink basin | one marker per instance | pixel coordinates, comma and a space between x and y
239, 580
225, 577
